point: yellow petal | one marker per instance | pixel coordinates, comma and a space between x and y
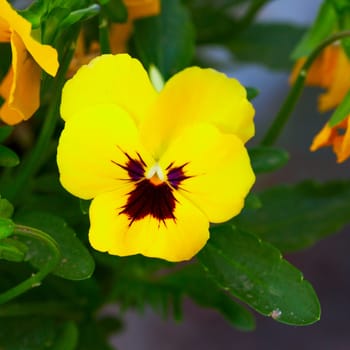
90, 145
10, 20
23, 99
44, 55
174, 241
321, 72
4, 29
323, 138
119, 80
219, 170
339, 85
342, 150
196, 95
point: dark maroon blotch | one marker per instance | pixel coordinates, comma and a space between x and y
146, 198
176, 175
134, 167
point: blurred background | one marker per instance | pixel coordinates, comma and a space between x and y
326, 265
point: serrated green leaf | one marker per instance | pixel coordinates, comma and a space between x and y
76, 262
269, 44
167, 40
5, 132
6, 208
8, 158
293, 217
6, 227
341, 112
267, 159
322, 27
255, 272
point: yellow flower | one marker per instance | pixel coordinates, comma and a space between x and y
21, 86
330, 71
338, 137
120, 32
159, 166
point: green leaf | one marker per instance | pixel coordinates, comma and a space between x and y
267, 159
6, 208
342, 10
85, 206
6, 227
80, 15
5, 132
193, 281
167, 40
115, 10
92, 337
255, 272
12, 250
342, 111
322, 27
37, 333
293, 217
67, 339
8, 158
251, 93
269, 44
252, 201
27, 333
76, 262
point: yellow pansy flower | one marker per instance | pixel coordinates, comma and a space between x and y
330, 71
21, 86
160, 166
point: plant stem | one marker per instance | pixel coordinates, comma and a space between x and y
104, 34
289, 103
35, 279
32, 164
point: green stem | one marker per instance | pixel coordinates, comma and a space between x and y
104, 34
32, 164
289, 103
34, 280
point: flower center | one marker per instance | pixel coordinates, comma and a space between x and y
153, 194
155, 175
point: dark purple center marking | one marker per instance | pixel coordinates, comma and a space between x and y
149, 197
